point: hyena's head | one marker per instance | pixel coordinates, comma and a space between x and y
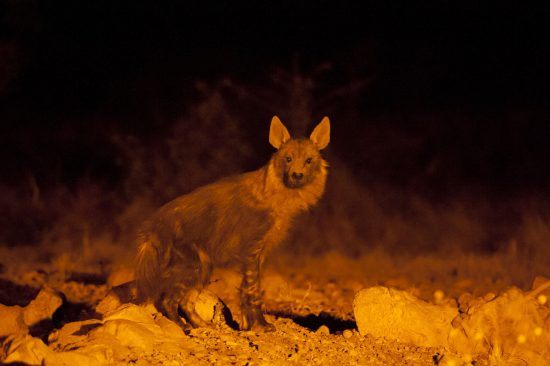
298, 161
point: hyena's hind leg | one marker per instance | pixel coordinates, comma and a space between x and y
189, 273
155, 276
190, 295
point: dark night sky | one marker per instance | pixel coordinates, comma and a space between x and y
68, 64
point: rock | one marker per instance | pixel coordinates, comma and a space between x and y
439, 296
42, 307
129, 333
72, 333
505, 328
139, 326
210, 308
169, 328
25, 350
132, 312
125, 332
17, 320
347, 334
385, 312
12, 321
323, 330
72, 358
87, 338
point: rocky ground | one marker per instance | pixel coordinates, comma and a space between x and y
310, 301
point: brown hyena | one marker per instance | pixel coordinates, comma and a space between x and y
236, 220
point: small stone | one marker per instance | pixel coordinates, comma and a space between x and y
205, 306
439, 295
347, 334
323, 329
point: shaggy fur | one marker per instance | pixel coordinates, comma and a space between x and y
237, 220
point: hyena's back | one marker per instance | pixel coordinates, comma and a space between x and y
215, 224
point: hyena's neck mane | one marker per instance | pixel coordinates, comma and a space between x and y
268, 188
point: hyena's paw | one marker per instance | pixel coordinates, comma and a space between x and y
263, 328
255, 321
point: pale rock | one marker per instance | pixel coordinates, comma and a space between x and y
209, 307
42, 307
71, 359
129, 333
506, 328
347, 334
12, 321
74, 332
135, 313
385, 312
16, 320
132, 325
169, 328
86, 337
103, 346
25, 350
323, 330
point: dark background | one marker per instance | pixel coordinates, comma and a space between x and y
444, 101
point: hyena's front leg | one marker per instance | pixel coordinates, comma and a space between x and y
251, 302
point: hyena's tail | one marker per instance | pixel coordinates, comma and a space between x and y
148, 271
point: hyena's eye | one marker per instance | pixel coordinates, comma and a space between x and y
308, 161
288, 159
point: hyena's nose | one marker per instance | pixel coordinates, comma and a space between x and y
297, 176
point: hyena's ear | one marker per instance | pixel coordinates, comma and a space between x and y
321, 134
278, 134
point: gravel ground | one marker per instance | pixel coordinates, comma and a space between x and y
310, 306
